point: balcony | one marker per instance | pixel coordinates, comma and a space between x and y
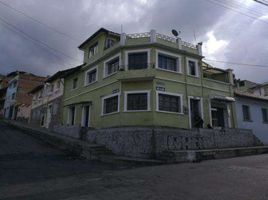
153, 37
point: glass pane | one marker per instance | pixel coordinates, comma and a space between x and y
169, 103
192, 70
137, 101
113, 66
137, 60
168, 63
111, 105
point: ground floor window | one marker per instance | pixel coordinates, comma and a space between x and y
246, 113
264, 115
71, 116
110, 104
137, 101
169, 102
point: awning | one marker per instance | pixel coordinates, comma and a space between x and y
223, 98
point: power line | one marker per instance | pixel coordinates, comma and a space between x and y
235, 10
236, 63
38, 21
261, 2
36, 40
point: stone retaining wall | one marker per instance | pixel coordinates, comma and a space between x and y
151, 142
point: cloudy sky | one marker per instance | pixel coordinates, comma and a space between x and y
235, 31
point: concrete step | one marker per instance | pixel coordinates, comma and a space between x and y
129, 160
208, 154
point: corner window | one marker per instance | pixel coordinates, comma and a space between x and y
137, 59
137, 101
192, 67
246, 113
51, 88
168, 61
13, 96
91, 76
71, 115
169, 102
110, 104
93, 50
109, 43
111, 66
75, 81
264, 115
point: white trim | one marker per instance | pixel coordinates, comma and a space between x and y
109, 96
105, 75
171, 94
196, 67
88, 71
137, 51
176, 56
189, 106
148, 92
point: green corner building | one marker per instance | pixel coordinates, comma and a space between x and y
146, 79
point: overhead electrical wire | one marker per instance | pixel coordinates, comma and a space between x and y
39, 22
236, 63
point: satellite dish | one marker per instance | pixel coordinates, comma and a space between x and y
175, 33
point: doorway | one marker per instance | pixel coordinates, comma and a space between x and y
196, 112
48, 116
85, 116
219, 114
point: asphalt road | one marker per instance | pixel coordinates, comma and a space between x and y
30, 169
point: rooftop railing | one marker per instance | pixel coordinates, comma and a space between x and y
153, 34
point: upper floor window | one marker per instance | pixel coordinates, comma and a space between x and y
265, 91
91, 76
15, 83
168, 61
109, 43
93, 50
51, 88
192, 67
110, 104
58, 84
40, 94
246, 113
264, 115
169, 102
75, 81
13, 96
137, 101
137, 59
112, 65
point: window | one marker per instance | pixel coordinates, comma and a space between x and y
168, 61
40, 94
112, 65
192, 67
91, 76
75, 81
51, 88
71, 116
137, 60
169, 102
265, 91
246, 113
110, 104
13, 96
14, 83
264, 115
93, 50
58, 84
137, 101
109, 43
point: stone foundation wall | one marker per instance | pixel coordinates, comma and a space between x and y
151, 142
70, 131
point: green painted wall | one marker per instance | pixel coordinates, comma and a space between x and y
147, 79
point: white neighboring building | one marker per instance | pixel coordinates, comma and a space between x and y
252, 113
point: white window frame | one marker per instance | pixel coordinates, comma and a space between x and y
107, 97
168, 54
88, 71
105, 65
148, 92
171, 94
196, 67
137, 51
69, 119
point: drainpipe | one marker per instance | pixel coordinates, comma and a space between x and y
123, 38
152, 36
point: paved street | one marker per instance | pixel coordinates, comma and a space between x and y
30, 169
